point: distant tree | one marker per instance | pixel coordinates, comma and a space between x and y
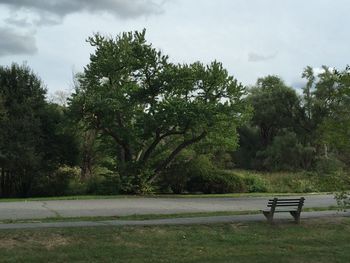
275, 137
276, 107
151, 108
334, 129
326, 98
33, 141
24, 101
308, 74
60, 97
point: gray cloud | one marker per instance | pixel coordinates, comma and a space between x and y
12, 43
255, 57
14, 20
52, 11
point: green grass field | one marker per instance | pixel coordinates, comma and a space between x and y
326, 240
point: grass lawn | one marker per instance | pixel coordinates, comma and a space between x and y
326, 240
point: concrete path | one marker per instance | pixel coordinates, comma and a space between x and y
177, 221
130, 206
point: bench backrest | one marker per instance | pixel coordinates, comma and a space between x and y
291, 202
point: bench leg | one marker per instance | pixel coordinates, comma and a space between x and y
269, 216
296, 216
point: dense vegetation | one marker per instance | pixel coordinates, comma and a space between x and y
138, 123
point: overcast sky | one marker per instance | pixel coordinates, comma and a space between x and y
253, 38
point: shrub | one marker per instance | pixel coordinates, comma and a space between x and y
336, 181
76, 187
184, 169
107, 184
286, 153
255, 183
303, 186
328, 166
57, 183
217, 182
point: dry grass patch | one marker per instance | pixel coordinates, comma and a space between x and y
49, 242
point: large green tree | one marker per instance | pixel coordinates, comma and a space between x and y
151, 108
276, 107
33, 141
328, 102
334, 129
24, 100
273, 140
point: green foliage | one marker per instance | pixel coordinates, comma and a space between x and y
255, 184
287, 154
184, 169
148, 106
283, 182
21, 143
217, 182
103, 185
57, 183
250, 144
34, 141
138, 123
191, 173
328, 165
343, 200
276, 107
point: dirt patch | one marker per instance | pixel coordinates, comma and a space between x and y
50, 242
122, 242
54, 242
8, 243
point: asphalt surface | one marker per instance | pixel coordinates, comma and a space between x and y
179, 221
131, 206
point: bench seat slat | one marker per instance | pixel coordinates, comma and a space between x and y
285, 202
283, 205
291, 199
281, 210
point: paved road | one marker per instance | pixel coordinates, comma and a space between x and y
179, 221
130, 206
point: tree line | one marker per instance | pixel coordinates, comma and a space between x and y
138, 123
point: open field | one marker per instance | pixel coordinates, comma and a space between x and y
326, 240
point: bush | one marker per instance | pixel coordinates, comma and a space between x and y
108, 184
76, 187
337, 181
57, 183
217, 182
184, 169
328, 166
255, 184
303, 186
280, 182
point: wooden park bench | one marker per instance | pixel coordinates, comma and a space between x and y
291, 205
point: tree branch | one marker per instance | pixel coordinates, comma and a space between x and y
177, 150
123, 144
159, 138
